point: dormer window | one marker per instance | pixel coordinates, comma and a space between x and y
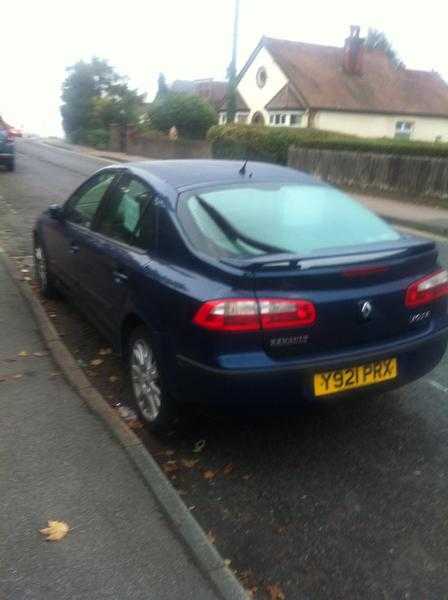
262, 77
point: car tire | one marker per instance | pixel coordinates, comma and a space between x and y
153, 402
11, 165
42, 273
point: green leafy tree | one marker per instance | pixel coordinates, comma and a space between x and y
377, 40
191, 115
95, 96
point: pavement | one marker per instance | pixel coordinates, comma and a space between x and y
60, 462
346, 501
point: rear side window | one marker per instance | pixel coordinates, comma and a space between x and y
129, 216
262, 219
83, 205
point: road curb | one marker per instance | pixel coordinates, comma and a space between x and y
435, 229
204, 554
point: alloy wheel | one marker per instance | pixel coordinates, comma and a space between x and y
145, 379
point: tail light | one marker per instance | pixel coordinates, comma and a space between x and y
235, 314
427, 289
9, 136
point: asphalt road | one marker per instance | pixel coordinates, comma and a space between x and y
348, 501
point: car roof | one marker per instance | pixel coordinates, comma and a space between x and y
185, 174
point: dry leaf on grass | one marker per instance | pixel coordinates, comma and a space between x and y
105, 351
199, 446
55, 531
189, 463
96, 362
17, 376
113, 378
40, 354
227, 562
23, 354
209, 474
275, 592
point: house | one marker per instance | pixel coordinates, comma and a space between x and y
353, 90
212, 91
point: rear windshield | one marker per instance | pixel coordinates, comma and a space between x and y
250, 220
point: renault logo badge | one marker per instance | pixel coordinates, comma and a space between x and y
366, 309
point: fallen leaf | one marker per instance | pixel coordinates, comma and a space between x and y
211, 538
53, 315
113, 378
135, 424
39, 354
199, 446
209, 474
96, 362
228, 469
17, 376
105, 351
55, 531
23, 354
189, 463
170, 466
170, 452
227, 562
24, 270
275, 592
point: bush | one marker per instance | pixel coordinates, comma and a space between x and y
98, 138
271, 144
191, 115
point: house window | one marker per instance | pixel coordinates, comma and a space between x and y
271, 119
262, 77
241, 118
223, 118
295, 120
283, 119
277, 119
403, 129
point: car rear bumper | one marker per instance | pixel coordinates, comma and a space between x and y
417, 355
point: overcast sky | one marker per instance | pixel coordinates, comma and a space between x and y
184, 39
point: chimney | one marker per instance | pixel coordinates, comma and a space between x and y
354, 52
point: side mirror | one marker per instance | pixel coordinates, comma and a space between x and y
56, 212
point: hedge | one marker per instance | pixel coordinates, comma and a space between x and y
270, 144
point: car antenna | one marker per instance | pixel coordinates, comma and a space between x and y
242, 171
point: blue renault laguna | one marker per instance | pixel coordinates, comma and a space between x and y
243, 283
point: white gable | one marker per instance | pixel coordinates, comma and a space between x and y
255, 97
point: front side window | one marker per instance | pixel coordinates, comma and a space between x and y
129, 216
403, 129
83, 205
249, 220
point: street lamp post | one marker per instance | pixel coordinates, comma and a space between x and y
231, 95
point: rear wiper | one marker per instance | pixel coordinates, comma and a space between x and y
276, 259
232, 233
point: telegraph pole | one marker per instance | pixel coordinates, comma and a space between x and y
231, 96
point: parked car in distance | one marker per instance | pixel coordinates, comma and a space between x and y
7, 149
223, 282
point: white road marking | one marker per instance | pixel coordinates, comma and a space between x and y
438, 386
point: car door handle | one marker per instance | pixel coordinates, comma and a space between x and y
119, 277
74, 248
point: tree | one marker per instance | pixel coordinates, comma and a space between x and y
162, 87
95, 96
377, 40
191, 115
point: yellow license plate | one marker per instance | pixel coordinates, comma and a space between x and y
332, 382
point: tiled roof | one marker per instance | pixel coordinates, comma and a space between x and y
317, 76
285, 99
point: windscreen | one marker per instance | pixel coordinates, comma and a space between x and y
250, 220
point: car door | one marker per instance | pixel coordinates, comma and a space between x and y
79, 212
111, 252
